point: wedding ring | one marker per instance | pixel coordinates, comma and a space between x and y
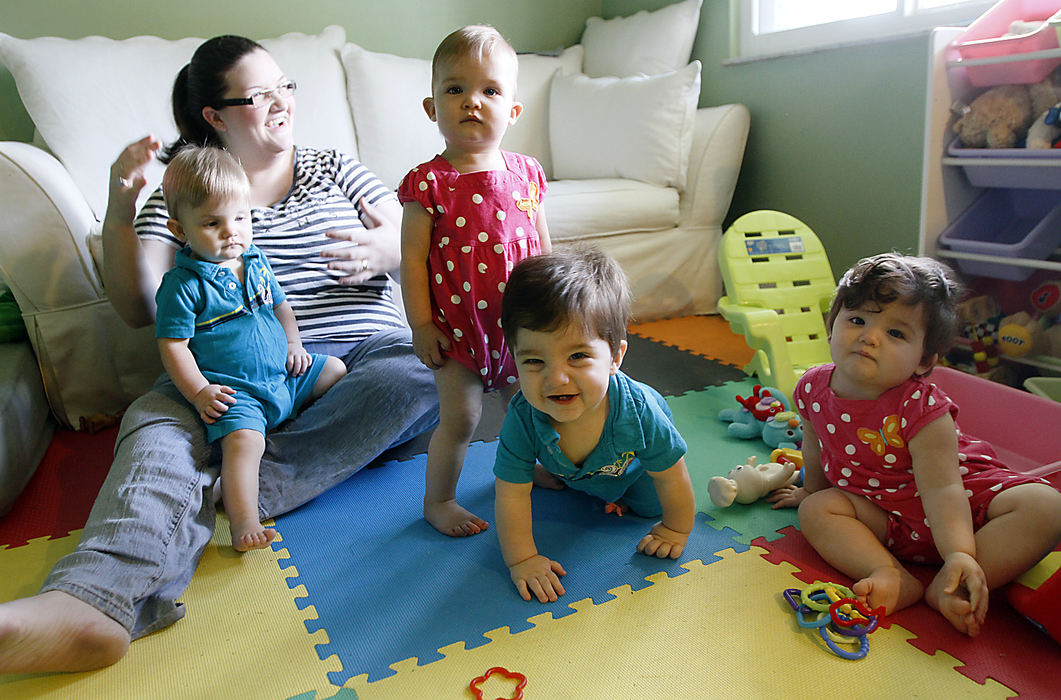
364, 264
125, 183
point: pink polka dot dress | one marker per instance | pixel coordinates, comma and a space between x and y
866, 451
484, 223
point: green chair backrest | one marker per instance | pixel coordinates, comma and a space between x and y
772, 260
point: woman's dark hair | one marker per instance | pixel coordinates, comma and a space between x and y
201, 83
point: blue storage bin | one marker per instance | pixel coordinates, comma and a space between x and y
1015, 223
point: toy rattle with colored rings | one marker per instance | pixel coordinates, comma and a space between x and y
840, 618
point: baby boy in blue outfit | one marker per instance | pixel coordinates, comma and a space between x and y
591, 427
227, 336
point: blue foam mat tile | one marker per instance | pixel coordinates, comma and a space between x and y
387, 587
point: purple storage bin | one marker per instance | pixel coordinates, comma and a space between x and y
1015, 223
1008, 167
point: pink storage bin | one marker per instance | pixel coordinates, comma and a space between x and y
984, 39
1015, 422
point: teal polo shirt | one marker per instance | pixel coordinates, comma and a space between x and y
638, 437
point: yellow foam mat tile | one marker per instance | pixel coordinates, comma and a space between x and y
243, 636
721, 630
708, 336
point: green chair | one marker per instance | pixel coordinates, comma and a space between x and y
778, 288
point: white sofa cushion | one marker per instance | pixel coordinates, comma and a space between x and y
530, 134
91, 97
386, 94
639, 127
581, 209
645, 42
394, 134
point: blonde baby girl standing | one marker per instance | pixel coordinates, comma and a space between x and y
889, 474
470, 214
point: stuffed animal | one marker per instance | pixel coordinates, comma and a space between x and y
784, 429
746, 422
1025, 333
1000, 116
748, 482
1045, 131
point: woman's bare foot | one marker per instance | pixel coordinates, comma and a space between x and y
953, 606
546, 479
450, 518
55, 631
888, 587
250, 535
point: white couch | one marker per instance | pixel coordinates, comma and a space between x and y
88, 98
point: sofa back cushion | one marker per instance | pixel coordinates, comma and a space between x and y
90, 97
645, 42
640, 128
394, 133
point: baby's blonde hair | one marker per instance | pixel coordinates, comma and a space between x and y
476, 40
198, 173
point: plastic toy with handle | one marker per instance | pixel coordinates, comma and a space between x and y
749, 482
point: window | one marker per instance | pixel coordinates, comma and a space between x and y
776, 27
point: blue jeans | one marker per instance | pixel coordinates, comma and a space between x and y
154, 515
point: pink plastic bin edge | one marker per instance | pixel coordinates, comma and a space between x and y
1020, 425
984, 39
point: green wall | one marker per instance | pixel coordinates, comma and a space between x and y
403, 27
835, 137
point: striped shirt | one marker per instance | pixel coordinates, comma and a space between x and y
324, 195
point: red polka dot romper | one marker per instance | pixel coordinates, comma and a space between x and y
484, 223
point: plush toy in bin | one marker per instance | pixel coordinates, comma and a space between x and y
1001, 116
1037, 331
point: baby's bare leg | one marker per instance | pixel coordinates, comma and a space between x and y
847, 531
1023, 525
460, 399
333, 371
241, 455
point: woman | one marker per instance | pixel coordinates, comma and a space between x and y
155, 513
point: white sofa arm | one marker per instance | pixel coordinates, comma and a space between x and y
719, 138
44, 231
91, 362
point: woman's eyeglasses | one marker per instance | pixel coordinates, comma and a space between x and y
260, 98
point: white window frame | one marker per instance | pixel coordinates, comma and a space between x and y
904, 22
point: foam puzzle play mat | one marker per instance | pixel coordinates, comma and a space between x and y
360, 598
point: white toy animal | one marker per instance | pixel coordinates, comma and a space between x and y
749, 482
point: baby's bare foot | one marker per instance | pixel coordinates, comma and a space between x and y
546, 479
55, 631
888, 587
954, 607
450, 518
251, 535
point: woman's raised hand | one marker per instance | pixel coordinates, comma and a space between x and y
128, 171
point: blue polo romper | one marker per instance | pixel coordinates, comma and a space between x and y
235, 337
638, 437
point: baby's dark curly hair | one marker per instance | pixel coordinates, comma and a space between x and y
577, 285
889, 277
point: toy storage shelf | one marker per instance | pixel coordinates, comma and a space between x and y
951, 184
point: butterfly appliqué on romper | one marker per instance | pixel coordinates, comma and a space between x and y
878, 440
530, 203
